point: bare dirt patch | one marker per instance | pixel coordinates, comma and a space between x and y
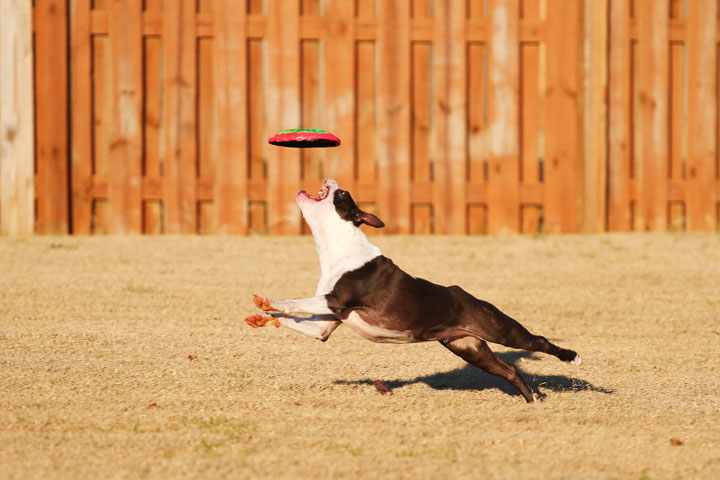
129, 357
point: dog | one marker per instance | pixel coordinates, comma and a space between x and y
366, 291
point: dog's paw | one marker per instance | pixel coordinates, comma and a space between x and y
258, 320
262, 303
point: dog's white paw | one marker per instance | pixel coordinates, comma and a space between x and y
577, 360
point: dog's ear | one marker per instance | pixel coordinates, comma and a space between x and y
367, 218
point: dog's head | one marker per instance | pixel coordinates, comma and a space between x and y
333, 207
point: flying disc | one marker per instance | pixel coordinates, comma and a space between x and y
304, 138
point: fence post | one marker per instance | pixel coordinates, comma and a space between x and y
16, 119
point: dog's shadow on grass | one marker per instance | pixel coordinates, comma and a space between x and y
473, 378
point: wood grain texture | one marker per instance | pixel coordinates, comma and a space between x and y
51, 107
562, 147
651, 166
619, 141
180, 166
594, 130
16, 119
339, 89
503, 193
283, 112
702, 168
449, 152
124, 190
394, 115
231, 110
81, 138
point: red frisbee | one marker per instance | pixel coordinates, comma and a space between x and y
304, 138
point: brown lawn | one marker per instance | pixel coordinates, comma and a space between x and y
129, 357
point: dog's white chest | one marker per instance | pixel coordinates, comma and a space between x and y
376, 333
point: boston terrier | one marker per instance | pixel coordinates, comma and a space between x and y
365, 290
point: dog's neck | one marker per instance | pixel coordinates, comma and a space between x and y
341, 247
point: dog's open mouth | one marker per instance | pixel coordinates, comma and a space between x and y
322, 194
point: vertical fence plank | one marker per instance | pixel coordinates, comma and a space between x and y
51, 94
677, 121
701, 192
450, 154
562, 146
477, 139
81, 140
421, 97
365, 162
180, 168
283, 111
312, 159
339, 88
394, 115
532, 92
124, 180
651, 166
101, 121
16, 119
503, 192
153, 126
595, 124
230, 77
619, 117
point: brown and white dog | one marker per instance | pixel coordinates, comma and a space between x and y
365, 290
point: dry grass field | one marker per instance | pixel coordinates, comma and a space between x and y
128, 357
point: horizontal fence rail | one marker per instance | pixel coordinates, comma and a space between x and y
456, 117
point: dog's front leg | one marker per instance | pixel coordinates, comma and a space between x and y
314, 305
317, 326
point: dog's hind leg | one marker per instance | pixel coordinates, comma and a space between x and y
496, 327
476, 352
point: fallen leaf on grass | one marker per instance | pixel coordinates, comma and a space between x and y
381, 387
152, 405
192, 357
676, 442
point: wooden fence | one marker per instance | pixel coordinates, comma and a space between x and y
456, 116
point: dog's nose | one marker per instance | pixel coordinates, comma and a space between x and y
330, 183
